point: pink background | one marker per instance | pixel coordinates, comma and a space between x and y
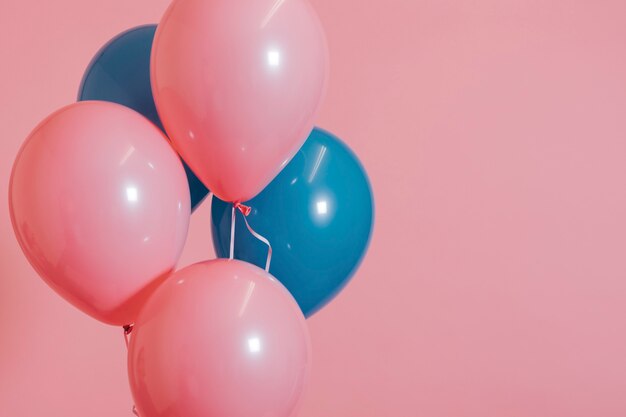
494, 132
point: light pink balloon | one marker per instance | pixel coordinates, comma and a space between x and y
100, 205
219, 338
237, 84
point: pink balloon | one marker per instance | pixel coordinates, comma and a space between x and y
100, 205
237, 84
219, 338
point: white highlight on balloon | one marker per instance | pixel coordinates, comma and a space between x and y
271, 12
322, 207
129, 152
246, 298
273, 58
254, 345
318, 162
131, 194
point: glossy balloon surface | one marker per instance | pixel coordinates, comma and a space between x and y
318, 216
238, 84
219, 338
120, 73
100, 207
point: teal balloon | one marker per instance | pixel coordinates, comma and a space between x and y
317, 214
120, 73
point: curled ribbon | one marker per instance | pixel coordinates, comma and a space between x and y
245, 210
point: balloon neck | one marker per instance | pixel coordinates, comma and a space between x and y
245, 210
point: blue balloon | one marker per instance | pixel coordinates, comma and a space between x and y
120, 73
317, 214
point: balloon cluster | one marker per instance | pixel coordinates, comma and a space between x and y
221, 96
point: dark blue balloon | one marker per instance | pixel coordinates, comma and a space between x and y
120, 73
317, 214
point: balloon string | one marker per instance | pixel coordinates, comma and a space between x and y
127, 331
245, 210
232, 233
210, 198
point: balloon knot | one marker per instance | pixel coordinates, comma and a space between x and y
128, 329
245, 210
